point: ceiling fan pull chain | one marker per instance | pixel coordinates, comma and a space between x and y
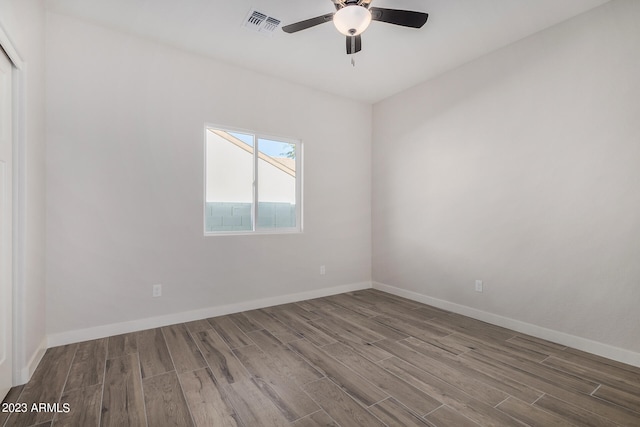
353, 61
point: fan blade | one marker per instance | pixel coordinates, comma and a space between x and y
354, 44
405, 18
308, 23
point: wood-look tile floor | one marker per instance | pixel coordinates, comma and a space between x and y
358, 359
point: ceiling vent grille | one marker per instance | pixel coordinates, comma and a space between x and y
260, 22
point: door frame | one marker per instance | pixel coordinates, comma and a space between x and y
18, 189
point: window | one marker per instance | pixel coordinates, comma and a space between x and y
252, 183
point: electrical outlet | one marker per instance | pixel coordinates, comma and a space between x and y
478, 285
157, 290
323, 270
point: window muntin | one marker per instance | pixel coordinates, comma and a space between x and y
248, 190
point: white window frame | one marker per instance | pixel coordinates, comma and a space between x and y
254, 203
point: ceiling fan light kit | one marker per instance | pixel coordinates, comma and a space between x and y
352, 17
352, 20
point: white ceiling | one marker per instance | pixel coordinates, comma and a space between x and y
392, 58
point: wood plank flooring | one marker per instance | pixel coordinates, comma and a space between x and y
364, 358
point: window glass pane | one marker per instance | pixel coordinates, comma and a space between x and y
234, 194
229, 181
276, 184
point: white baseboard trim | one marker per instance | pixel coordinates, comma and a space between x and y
584, 344
36, 357
96, 332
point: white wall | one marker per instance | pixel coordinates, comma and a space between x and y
521, 169
125, 182
23, 21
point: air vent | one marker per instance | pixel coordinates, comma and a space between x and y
260, 22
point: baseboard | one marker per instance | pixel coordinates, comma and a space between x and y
584, 344
80, 335
36, 357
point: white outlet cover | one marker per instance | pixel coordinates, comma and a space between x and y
478, 285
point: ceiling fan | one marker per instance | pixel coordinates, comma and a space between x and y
352, 17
